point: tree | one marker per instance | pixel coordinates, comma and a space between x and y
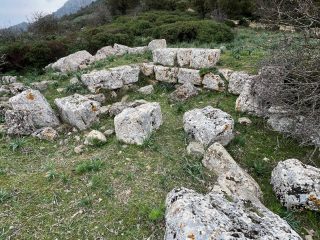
121, 6
42, 24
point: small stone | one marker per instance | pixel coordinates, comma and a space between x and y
109, 132
195, 149
184, 92
244, 121
147, 90
95, 137
61, 90
79, 149
74, 81
47, 133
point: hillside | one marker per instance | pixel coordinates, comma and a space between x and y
72, 6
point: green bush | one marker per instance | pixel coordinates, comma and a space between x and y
205, 31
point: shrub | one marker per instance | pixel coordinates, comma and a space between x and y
205, 31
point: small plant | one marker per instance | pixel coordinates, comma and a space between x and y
85, 202
259, 167
4, 195
51, 175
76, 88
194, 169
205, 71
109, 191
156, 214
16, 144
94, 165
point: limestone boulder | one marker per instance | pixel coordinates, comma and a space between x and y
237, 82
191, 215
78, 111
166, 74
226, 73
138, 50
126, 74
208, 125
120, 50
73, 62
213, 82
204, 58
104, 53
157, 44
118, 107
135, 125
248, 101
297, 185
195, 149
184, 92
231, 177
19, 122
33, 101
192, 76
165, 56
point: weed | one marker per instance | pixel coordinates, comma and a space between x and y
16, 144
157, 214
4, 195
86, 202
94, 165
194, 168
109, 191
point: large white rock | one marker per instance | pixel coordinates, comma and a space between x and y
78, 111
226, 73
213, 82
111, 79
218, 215
157, 44
209, 125
165, 56
33, 101
192, 76
120, 49
105, 52
73, 62
237, 82
204, 58
118, 107
135, 125
231, 177
184, 57
127, 74
297, 185
166, 74
248, 102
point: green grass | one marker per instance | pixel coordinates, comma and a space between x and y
117, 191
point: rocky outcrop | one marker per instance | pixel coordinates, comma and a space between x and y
191, 215
33, 103
297, 185
5, 80
111, 79
73, 62
184, 92
104, 53
78, 111
208, 125
135, 125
